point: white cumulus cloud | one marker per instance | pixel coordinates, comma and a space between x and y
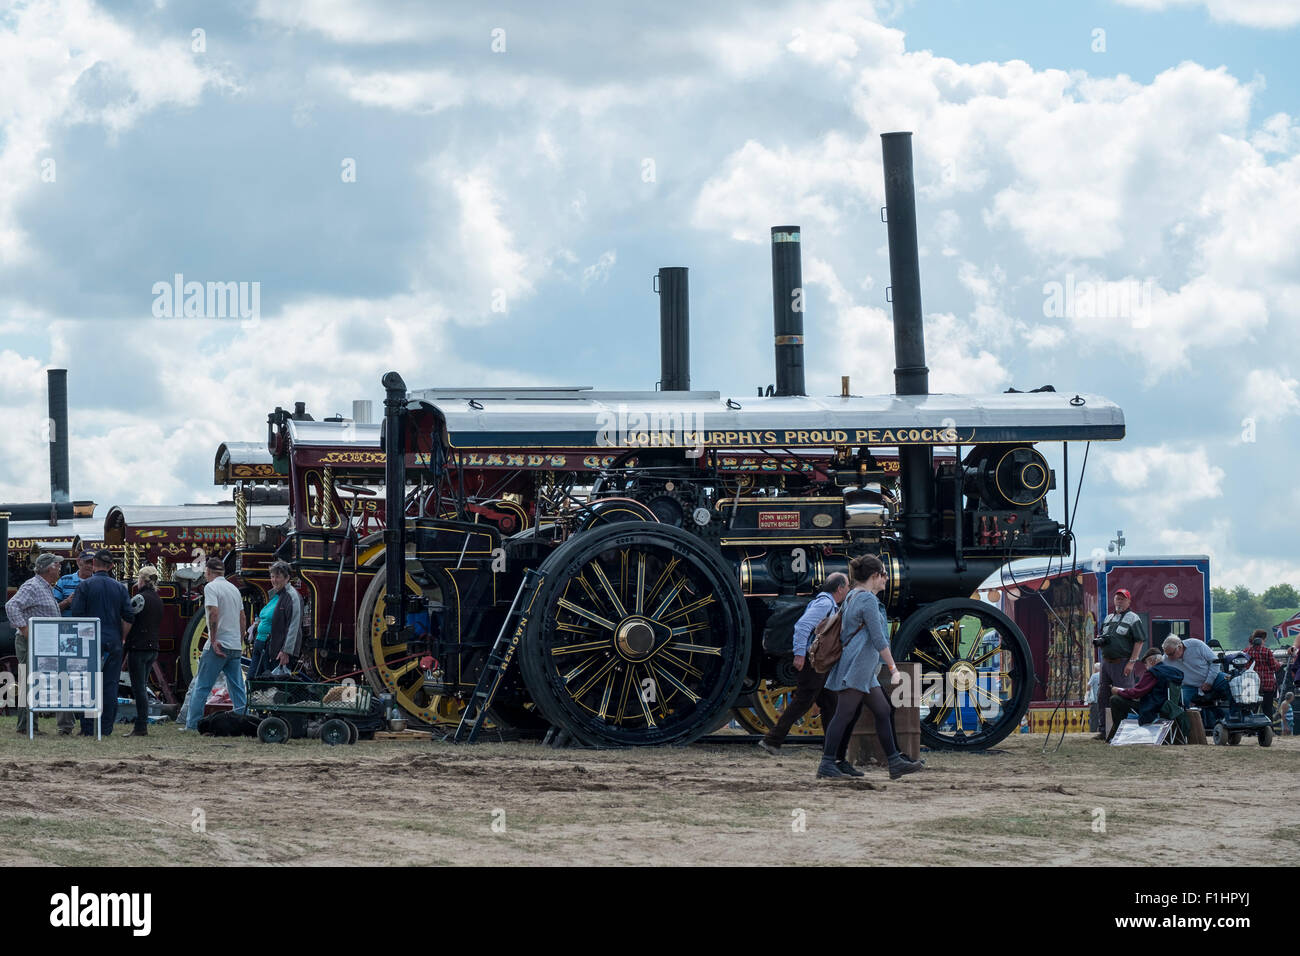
1278, 14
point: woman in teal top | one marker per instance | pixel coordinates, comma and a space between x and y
263, 635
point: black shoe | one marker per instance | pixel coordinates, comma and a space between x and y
827, 770
899, 765
848, 769
136, 733
919, 763
772, 750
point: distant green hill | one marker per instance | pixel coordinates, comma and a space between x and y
1221, 622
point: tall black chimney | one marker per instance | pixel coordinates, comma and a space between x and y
394, 448
4, 559
787, 309
58, 424
911, 377
674, 329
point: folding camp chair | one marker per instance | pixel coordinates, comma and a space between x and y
1172, 709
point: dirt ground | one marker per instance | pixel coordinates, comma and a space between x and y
178, 798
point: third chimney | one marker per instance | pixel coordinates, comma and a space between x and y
787, 309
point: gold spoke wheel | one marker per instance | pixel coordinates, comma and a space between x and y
759, 712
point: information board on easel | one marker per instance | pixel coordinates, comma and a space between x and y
63, 667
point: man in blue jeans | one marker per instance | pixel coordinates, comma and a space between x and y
102, 597
222, 655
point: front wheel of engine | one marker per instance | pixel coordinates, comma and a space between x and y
976, 672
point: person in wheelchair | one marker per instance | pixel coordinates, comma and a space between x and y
1150, 695
1232, 704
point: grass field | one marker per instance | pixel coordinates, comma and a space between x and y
178, 798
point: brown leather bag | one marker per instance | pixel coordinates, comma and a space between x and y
827, 646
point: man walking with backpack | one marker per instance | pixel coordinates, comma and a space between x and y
810, 686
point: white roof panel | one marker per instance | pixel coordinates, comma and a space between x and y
575, 417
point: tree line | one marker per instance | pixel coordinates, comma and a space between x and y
1250, 610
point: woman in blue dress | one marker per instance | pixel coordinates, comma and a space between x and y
864, 631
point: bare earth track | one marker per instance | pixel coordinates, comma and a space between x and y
130, 802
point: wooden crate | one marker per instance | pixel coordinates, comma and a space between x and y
863, 744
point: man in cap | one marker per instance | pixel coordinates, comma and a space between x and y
35, 598
223, 654
102, 597
1121, 642
67, 585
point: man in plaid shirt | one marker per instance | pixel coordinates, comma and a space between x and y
1266, 666
35, 598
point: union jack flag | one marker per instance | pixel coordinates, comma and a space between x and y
1287, 631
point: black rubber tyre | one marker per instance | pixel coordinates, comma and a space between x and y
1266, 736
637, 635
186, 651
615, 512
951, 672
1220, 735
352, 731
273, 730
195, 636
1234, 738
334, 732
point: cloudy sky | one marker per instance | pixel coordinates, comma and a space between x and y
481, 193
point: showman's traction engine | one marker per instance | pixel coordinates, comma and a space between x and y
613, 564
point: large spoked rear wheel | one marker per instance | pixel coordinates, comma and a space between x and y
976, 672
758, 712
637, 635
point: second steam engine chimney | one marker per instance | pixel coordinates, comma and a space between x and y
911, 377
674, 329
787, 309
57, 379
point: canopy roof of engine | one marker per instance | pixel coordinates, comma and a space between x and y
242, 460
581, 417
